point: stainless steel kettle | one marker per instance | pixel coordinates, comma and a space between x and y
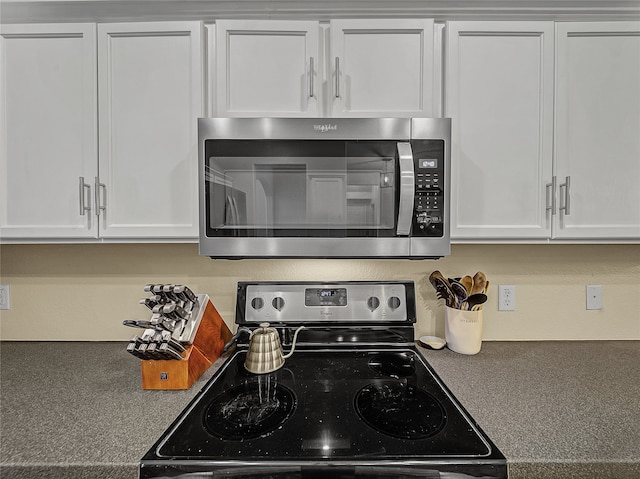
265, 350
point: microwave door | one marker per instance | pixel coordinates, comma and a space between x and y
407, 189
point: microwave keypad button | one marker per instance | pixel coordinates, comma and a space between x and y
423, 219
422, 202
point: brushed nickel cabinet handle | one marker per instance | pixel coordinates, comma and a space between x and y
311, 77
553, 206
101, 200
337, 77
566, 207
83, 203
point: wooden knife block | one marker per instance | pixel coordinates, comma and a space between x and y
211, 336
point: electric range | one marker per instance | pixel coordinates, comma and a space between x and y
356, 398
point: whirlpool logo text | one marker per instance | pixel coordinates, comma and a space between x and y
324, 128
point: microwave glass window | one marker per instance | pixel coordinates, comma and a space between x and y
277, 187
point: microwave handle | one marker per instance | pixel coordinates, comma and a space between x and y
407, 189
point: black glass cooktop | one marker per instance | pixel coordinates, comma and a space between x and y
322, 406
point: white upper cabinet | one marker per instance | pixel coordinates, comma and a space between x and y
150, 97
284, 68
266, 68
381, 68
598, 130
48, 142
499, 94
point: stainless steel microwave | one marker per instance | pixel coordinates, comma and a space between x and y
324, 187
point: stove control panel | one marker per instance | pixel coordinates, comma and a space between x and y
299, 302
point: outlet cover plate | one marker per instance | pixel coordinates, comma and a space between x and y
4, 297
506, 297
594, 296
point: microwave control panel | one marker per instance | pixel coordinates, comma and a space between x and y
429, 168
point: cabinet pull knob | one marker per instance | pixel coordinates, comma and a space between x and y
566, 207
311, 71
337, 77
101, 200
551, 205
83, 203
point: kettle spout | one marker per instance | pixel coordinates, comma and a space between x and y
293, 343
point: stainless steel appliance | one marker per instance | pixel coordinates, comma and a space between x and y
356, 399
311, 187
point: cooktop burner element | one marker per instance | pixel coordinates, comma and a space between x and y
249, 410
355, 400
400, 410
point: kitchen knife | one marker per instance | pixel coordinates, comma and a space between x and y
159, 290
167, 289
131, 348
148, 303
173, 311
139, 323
152, 351
167, 338
184, 293
170, 352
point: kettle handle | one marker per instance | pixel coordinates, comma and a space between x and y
293, 343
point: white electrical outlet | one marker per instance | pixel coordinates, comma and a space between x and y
506, 297
4, 296
594, 296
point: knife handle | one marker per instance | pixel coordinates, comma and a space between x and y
184, 293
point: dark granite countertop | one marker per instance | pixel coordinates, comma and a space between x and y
555, 409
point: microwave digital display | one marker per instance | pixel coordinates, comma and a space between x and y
428, 163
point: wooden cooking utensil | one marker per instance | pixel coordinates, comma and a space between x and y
479, 283
467, 282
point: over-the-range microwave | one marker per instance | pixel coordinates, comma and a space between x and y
324, 187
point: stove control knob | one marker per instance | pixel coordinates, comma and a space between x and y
257, 303
394, 302
373, 303
278, 303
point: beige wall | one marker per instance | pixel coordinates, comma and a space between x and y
83, 292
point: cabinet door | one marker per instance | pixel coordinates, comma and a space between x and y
598, 130
267, 68
381, 68
499, 94
150, 97
48, 130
